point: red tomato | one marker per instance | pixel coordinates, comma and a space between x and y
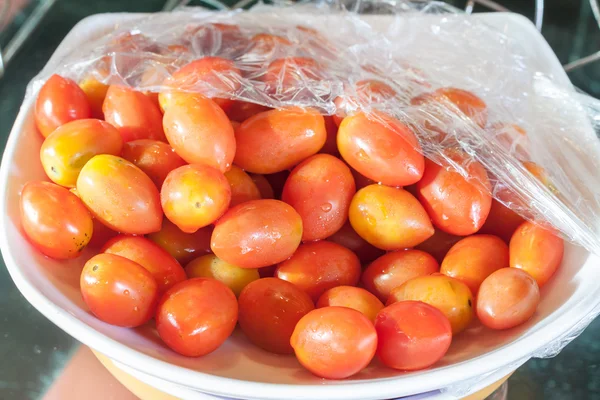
412, 335
348, 238
269, 311
290, 74
536, 251
257, 233
320, 189
263, 185
60, 100
393, 269
184, 247
366, 92
242, 186
242, 110
55, 221
439, 244
133, 113
466, 102
381, 148
196, 316
194, 196
319, 266
118, 291
502, 221
211, 266
352, 297
163, 267
334, 342
101, 233
120, 195
330, 146
507, 298
154, 157
456, 205
276, 140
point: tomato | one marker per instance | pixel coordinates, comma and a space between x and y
242, 110
191, 124
269, 311
474, 258
439, 244
54, 220
118, 291
366, 93
184, 247
393, 269
381, 148
507, 298
101, 233
330, 146
318, 266
258, 233
96, 93
120, 195
536, 251
334, 342
277, 181
320, 189
289, 75
60, 100
389, 218
512, 137
501, 221
466, 102
265, 44
196, 316
133, 113
352, 297
449, 295
194, 196
242, 186
537, 171
163, 267
154, 157
456, 205
412, 335
66, 150
211, 266
276, 140
263, 186
348, 238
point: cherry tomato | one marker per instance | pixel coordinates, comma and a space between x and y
118, 291
466, 102
334, 342
439, 244
191, 124
242, 186
381, 148
276, 140
101, 233
257, 233
269, 311
319, 266
96, 93
287, 75
456, 205
163, 267
263, 185
412, 335
507, 298
196, 316
55, 221
154, 157
242, 110
474, 258
449, 295
352, 297
536, 251
120, 195
184, 247
60, 100
211, 266
348, 238
70, 146
133, 113
194, 196
320, 189
502, 221
393, 269
366, 92
330, 146
389, 218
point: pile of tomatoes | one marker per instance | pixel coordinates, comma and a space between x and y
330, 237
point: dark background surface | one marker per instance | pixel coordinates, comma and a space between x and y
33, 350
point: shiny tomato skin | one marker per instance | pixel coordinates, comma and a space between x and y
120, 195
537, 251
101, 233
119, 291
257, 234
55, 221
276, 140
356, 298
468, 103
196, 316
66, 150
389, 218
211, 266
507, 298
263, 185
439, 244
318, 266
393, 269
59, 101
184, 247
351, 240
334, 342
501, 221
206, 73
242, 186
269, 311
412, 335
95, 92
320, 189
154, 157
381, 148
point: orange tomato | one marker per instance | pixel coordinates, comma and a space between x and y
184, 247
352, 297
96, 93
366, 93
154, 157
242, 186
348, 238
439, 244
501, 221
242, 110
466, 102
211, 266
263, 185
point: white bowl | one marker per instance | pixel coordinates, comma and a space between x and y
239, 369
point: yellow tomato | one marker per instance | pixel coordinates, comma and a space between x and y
211, 266
95, 92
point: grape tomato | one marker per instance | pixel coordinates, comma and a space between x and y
242, 186
211, 266
351, 240
356, 298
154, 157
